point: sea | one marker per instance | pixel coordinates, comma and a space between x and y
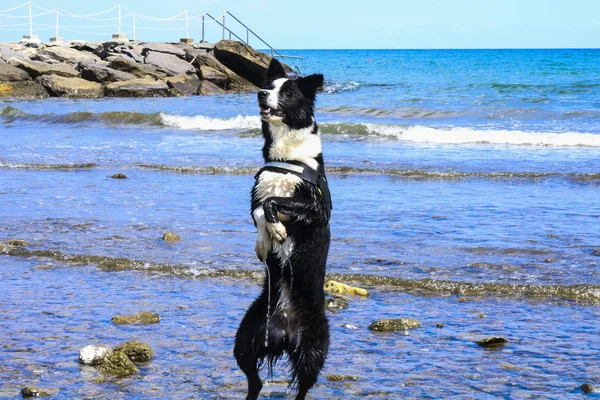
466, 195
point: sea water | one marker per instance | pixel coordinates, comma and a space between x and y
465, 187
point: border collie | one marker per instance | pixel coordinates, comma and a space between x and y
291, 208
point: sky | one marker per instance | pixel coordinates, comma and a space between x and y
333, 24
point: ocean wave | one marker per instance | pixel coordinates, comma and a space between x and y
8, 165
201, 122
583, 293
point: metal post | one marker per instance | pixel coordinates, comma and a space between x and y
119, 18
30, 22
133, 26
247, 37
187, 27
56, 30
222, 23
202, 28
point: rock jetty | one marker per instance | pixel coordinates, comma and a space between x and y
79, 69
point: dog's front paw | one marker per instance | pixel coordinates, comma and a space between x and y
277, 231
263, 245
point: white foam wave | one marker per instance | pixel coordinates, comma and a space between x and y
201, 122
424, 134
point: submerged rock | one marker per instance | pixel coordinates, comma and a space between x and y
119, 175
136, 351
494, 341
392, 325
596, 251
118, 364
339, 377
95, 354
336, 302
17, 242
142, 318
337, 287
588, 388
171, 237
30, 391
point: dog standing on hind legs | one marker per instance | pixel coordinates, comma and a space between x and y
291, 207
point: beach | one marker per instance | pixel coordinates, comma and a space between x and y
465, 194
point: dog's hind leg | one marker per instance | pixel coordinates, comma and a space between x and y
308, 354
249, 347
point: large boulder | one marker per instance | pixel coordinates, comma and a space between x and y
60, 86
107, 49
9, 73
22, 90
244, 60
169, 63
207, 87
165, 48
212, 75
138, 70
6, 53
142, 87
183, 85
234, 82
190, 51
38, 68
96, 72
68, 55
133, 55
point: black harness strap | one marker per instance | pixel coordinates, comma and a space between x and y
307, 174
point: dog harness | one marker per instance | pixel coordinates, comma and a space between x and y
307, 174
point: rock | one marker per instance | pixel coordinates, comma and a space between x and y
336, 302
439, 325
103, 50
183, 85
596, 251
588, 388
38, 68
164, 48
95, 355
552, 236
136, 351
337, 287
9, 73
492, 342
22, 90
6, 53
207, 88
133, 55
119, 175
83, 45
142, 318
212, 75
118, 364
96, 72
68, 55
171, 237
549, 260
71, 87
30, 391
244, 60
17, 242
143, 87
139, 70
339, 377
392, 325
169, 64
234, 81
191, 52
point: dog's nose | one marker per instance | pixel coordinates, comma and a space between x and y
263, 94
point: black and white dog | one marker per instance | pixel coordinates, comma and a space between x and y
291, 207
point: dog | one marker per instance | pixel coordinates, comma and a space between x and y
291, 208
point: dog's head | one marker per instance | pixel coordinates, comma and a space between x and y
286, 100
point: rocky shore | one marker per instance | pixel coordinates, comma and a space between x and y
79, 69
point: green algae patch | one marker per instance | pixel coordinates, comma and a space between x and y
119, 365
393, 325
342, 288
136, 351
141, 318
339, 378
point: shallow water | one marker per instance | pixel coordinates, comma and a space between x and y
456, 201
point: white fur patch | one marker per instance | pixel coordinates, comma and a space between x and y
273, 99
300, 145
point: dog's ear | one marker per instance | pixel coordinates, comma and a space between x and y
275, 71
310, 84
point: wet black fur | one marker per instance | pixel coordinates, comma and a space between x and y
304, 334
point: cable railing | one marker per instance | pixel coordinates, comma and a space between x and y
126, 23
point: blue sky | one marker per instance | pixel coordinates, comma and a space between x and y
340, 24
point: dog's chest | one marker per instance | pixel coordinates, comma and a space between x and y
274, 184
